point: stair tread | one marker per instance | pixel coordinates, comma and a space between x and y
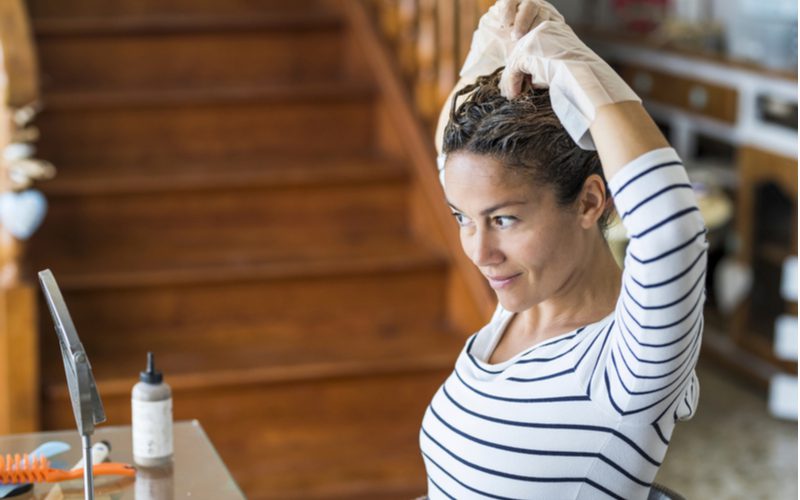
167, 24
413, 349
392, 255
234, 172
140, 97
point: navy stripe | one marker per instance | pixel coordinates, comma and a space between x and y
667, 344
663, 306
666, 409
532, 479
570, 427
475, 361
521, 400
638, 410
644, 377
528, 451
479, 367
471, 341
652, 361
543, 377
654, 196
676, 215
524, 361
564, 372
548, 343
597, 361
642, 174
664, 326
670, 251
470, 488
650, 391
694, 347
660, 434
437, 484
673, 278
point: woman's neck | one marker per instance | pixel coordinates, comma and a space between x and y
588, 295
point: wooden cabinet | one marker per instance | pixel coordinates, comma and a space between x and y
767, 227
706, 105
688, 94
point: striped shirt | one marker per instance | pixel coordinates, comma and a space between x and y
590, 413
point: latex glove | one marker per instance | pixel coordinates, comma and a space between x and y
499, 30
579, 80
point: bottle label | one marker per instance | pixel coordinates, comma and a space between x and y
152, 428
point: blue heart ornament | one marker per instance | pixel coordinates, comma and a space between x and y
21, 213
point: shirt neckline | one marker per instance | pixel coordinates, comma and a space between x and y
499, 331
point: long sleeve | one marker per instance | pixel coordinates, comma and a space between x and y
649, 364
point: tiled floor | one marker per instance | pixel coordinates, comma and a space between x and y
732, 449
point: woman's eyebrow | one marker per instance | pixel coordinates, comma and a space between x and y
491, 209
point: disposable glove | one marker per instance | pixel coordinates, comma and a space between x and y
499, 30
579, 80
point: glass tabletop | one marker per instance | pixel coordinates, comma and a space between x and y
196, 472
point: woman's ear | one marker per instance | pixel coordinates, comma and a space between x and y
593, 201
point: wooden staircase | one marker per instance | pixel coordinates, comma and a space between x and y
235, 194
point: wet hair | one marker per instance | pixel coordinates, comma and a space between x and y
524, 135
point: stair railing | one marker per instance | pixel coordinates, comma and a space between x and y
414, 48
21, 211
431, 39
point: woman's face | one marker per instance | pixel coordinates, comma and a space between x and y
527, 247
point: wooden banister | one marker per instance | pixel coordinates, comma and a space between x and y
413, 111
430, 39
19, 55
408, 27
448, 41
19, 88
427, 55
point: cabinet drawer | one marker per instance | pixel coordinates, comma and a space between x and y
708, 99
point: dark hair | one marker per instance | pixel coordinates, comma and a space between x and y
524, 134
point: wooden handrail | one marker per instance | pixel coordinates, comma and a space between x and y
19, 97
470, 302
18, 55
430, 39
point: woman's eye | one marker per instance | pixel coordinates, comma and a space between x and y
460, 219
503, 221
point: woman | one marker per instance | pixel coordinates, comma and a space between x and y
574, 387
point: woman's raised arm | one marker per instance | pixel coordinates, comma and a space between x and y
623, 132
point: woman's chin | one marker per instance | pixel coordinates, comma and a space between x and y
511, 303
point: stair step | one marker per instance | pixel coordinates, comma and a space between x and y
154, 9
88, 26
352, 437
267, 361
275, 92
347, 311
388, 255
176, 52
144, 127
296, 170
244, 228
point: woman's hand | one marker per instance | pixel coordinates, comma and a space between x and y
499, 30
580, 82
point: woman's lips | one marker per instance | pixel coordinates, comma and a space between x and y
498, 282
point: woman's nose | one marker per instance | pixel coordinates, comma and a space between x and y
484, 249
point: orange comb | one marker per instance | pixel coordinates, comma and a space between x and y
26, 469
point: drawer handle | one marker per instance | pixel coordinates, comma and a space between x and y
643, 82
698, 97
